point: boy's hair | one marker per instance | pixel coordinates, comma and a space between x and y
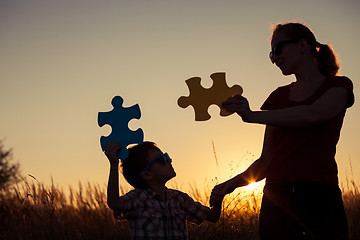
136, 162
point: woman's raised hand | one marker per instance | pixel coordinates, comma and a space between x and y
238, 104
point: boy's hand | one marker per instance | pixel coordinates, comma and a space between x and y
215, 210
110, 151
220, 190
216, 197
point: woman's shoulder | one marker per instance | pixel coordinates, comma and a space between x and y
281, 91
277, 98
341, 81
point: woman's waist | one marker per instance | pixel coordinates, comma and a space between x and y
300, 187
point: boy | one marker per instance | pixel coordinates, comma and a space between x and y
153, 211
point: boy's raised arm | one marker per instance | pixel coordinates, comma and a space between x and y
113, 197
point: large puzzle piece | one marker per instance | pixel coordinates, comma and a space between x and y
201, 98
118, 119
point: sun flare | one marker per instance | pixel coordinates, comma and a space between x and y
254, 186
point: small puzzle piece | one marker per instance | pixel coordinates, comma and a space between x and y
118, 119
201, 98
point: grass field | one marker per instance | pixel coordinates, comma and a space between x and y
30, 210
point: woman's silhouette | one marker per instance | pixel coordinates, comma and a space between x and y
303, 120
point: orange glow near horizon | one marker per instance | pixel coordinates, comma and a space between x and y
254, 186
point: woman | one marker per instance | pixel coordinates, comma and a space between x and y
303, 120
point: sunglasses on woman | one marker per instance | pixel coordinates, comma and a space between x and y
277, 49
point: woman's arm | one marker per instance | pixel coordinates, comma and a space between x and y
254, 173
326, 107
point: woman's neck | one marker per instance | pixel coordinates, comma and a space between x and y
309, 77
306, 84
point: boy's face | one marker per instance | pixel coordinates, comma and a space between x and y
160, 171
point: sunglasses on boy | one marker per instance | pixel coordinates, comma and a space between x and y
277, 49
163, 158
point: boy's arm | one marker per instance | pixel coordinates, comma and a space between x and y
113, 197
214, 213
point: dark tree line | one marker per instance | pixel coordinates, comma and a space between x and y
9, 171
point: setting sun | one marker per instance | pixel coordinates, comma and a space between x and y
254, 186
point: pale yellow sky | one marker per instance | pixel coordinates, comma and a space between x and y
61, 62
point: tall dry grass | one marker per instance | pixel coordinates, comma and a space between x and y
30, 210
33, 211
351, 198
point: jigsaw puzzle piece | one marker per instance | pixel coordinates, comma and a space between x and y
118, 119
201, 98
197, 98
222, 91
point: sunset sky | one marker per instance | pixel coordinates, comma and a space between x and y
61, 62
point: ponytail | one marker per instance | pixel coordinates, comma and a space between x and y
326, 60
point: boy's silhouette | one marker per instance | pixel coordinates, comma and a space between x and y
153, 210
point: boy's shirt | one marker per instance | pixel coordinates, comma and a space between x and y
150, 217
